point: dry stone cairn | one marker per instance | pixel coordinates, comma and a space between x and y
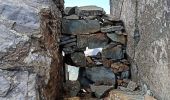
90, 26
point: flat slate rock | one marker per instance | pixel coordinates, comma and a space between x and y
98, 40
111, 28
80, 26
71, 17
117, 38
114, 52
89, 11
101, 76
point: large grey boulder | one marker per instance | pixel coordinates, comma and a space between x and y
89, 11
17, 85
80, 26
101, 75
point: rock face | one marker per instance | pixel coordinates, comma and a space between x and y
24, 52
151, 55
16, 85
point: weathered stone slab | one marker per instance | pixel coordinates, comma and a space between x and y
100, 90
100, 75
98, 40
121, 95
113, 52
89, 11
80, 26
117, 38
107, 29
71, 17
79, 59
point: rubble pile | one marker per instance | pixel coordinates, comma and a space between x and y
89, 26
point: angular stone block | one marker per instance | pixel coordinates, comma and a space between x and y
98, 40
101, 75
79, 59
117, 38
113, 52
69, 10
89, 11
80, 26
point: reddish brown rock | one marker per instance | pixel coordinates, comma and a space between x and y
119, 67
121, 95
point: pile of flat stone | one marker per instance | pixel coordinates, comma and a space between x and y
89, 26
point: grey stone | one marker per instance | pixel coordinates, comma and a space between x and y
80, 26
125, 75
72, 88
71, 17
117, 38
24, 14
82, 41
4, 86
17, 85
68, 41
79, 59
9, 38
107, 29
101, 75
70, 10
98, 40
100, 90
68, 50
108, 17
89, 11
113, 52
